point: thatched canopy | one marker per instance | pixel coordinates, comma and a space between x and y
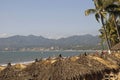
13, 73
1, 68
39, 70
116, 47
81, 67
114, 58
65, 69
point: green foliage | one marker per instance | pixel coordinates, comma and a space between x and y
108, 12
111, 32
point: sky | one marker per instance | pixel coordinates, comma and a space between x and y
48, 18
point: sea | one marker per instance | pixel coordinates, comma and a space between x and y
14, 57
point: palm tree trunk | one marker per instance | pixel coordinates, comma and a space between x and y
116, 27
106, 36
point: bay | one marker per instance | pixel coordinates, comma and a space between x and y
21, 57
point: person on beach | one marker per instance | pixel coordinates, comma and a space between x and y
97, 53
9, 64
103, 54
85, 54
36, 60
60, 55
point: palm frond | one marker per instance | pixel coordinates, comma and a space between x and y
104, 14
89, 11
97, 16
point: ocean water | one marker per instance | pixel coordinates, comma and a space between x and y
22, 57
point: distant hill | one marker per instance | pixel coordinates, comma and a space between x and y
31, 41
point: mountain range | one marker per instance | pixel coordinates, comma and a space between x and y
73, 42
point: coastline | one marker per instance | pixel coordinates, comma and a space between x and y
24, 63
24, 57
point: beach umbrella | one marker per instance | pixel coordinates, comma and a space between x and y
13, 73
65, 69
114, 58
116, 47
39, 70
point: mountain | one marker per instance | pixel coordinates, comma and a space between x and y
74, 42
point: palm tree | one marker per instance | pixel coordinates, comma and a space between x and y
114, 10
111, 31
100, 13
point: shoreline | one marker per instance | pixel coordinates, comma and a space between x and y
26, 57
24, 63
56, 50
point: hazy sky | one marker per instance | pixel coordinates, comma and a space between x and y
49, 18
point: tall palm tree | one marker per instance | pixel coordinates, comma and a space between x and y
114, 10
100, 14
111, 31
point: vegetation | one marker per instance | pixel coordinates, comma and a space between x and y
37, 43
108, 13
